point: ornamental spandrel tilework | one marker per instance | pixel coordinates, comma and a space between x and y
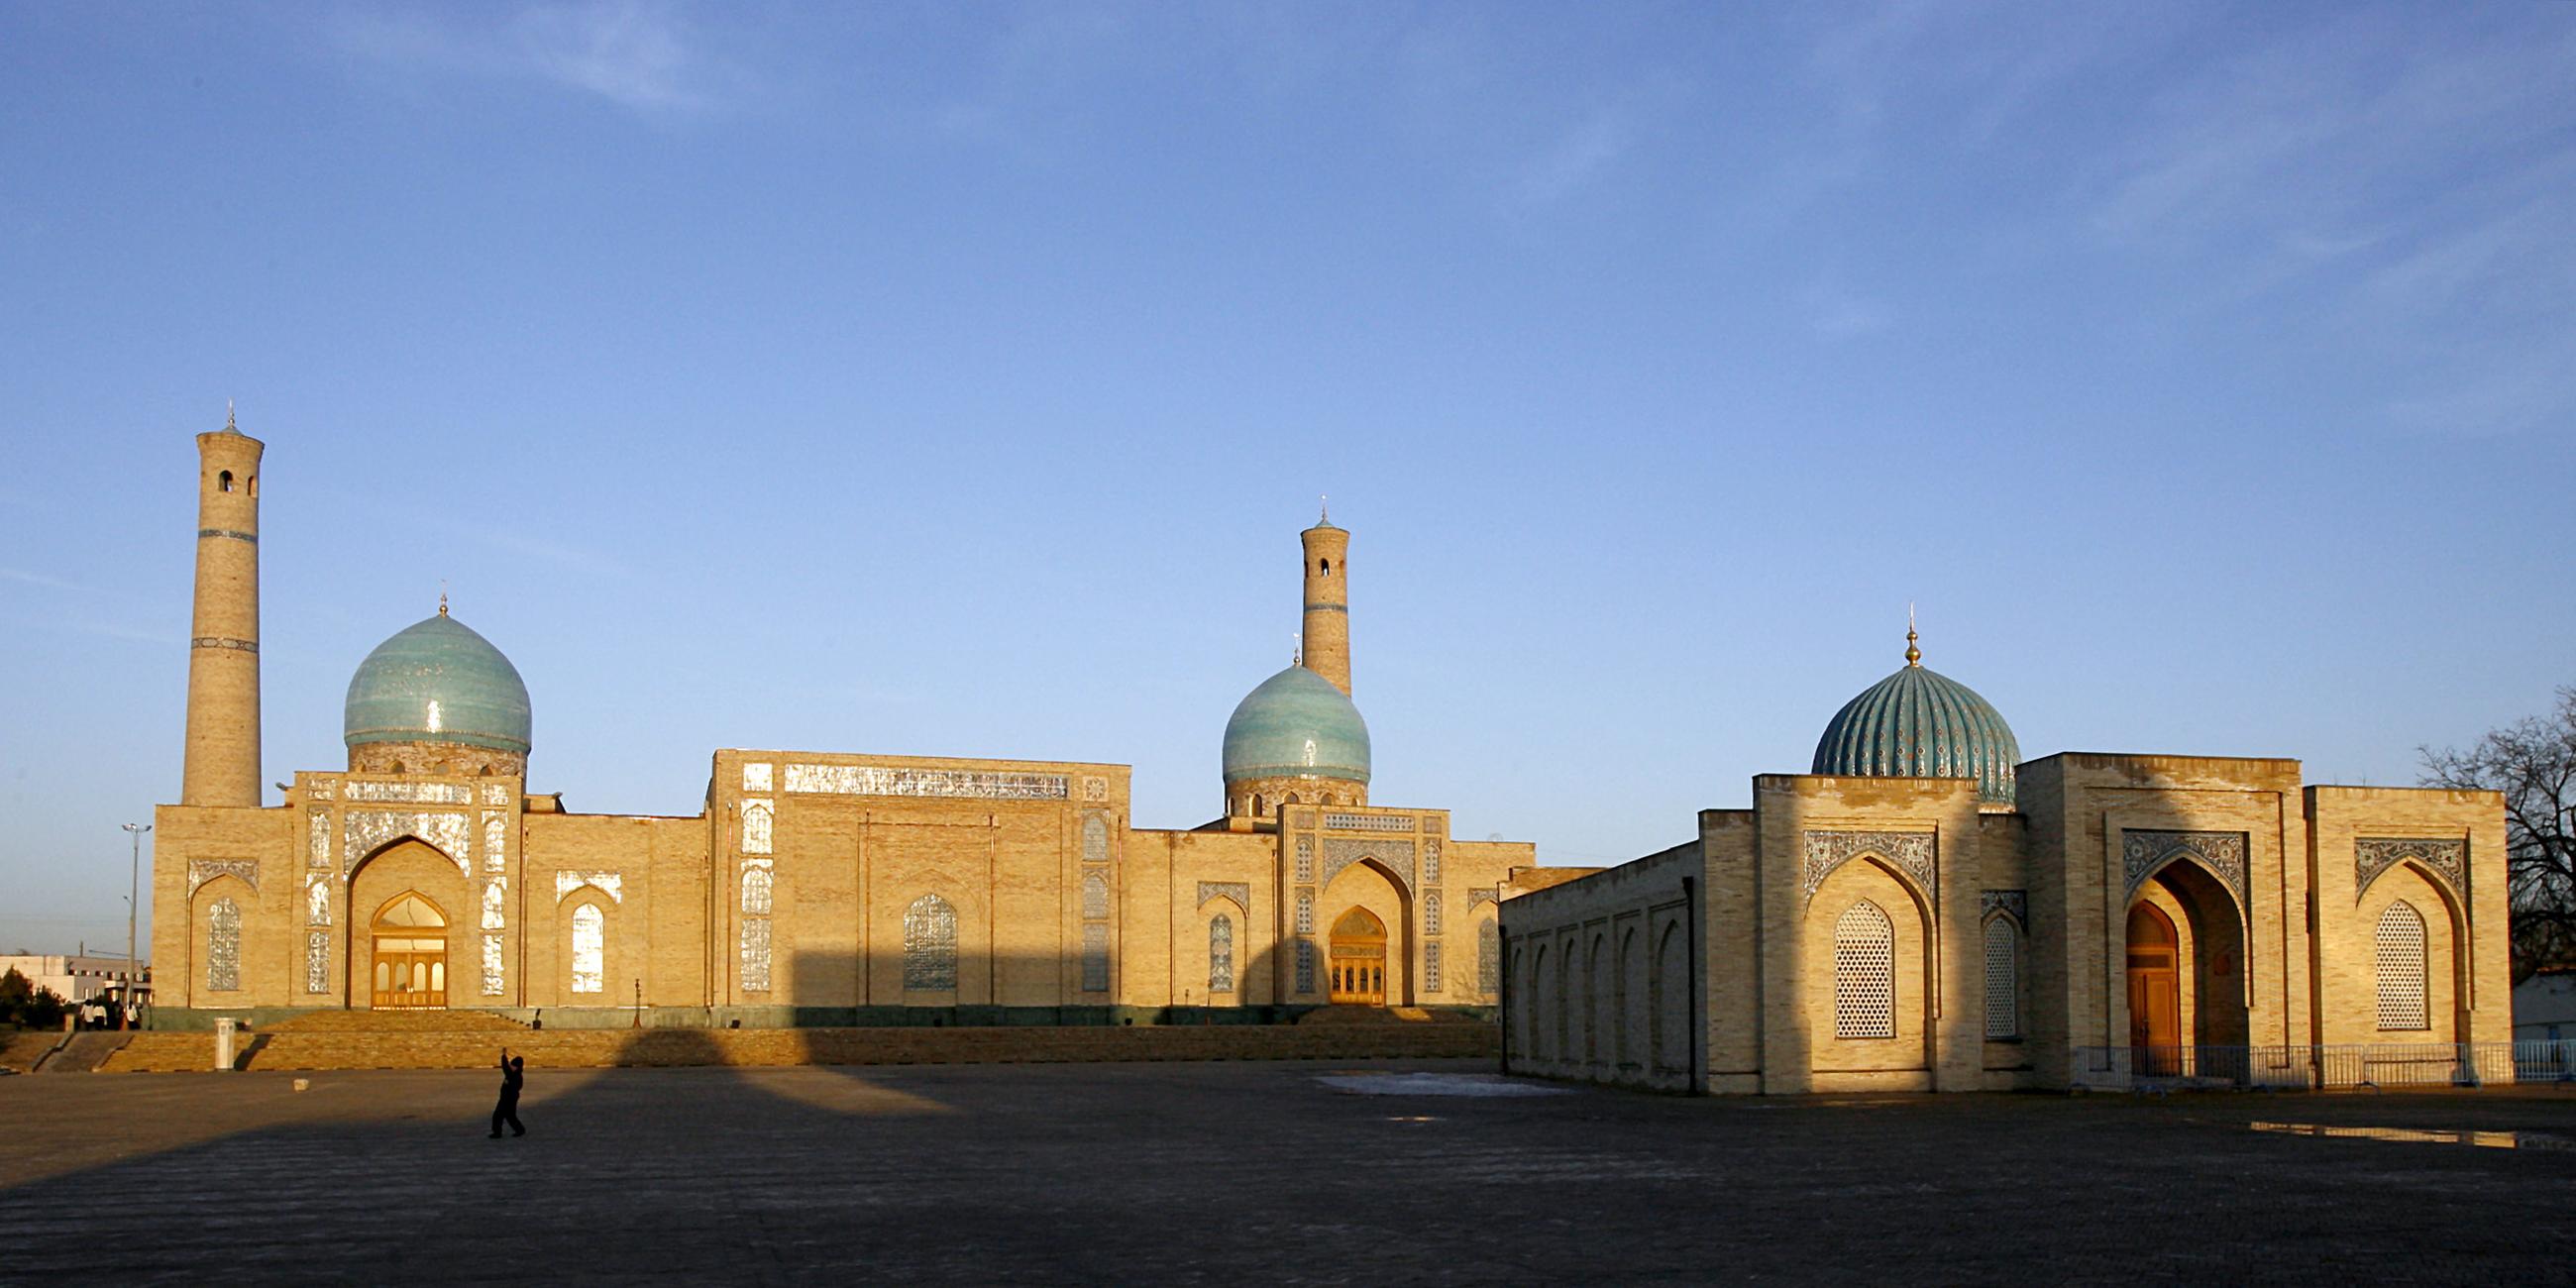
365, 831
2143, 853
881, 780
1912, 853
2446, 857
755, 776
201, 871
1239, 891
496, 794
1396, 856
2015, 902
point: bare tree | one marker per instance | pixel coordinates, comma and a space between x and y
2533, 762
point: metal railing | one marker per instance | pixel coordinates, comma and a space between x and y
2308, 1068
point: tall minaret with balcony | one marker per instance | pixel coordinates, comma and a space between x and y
222, 766
1327, 637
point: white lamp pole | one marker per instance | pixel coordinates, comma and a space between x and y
134, 884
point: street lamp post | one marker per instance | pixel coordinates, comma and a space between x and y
134, 887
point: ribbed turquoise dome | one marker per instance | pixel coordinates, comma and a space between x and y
1919, 723
1296, 723
437, 681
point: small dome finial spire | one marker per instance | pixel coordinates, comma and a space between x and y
1296, 648
1913, 655
442, 597
228, 417
1324, 506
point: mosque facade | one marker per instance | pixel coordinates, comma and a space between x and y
1925, 911
808, 887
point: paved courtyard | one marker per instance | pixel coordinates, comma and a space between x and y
1225, 1173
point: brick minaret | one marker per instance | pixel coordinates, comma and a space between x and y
1327, 638
223, 648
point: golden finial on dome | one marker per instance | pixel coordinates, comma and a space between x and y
442, 597
1913, 655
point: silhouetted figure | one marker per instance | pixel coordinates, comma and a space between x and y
513, 1076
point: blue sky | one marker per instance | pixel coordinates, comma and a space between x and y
953, 380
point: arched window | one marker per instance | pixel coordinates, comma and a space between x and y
589, 947
223, 946
755, 827
930, 944
495, 910
1095, 839
1095, 896
1864, 973
1326, 565
317, 904
1221, 954
224, 480
1489, 957
1305, 912
1305, 965
756, 898
1431, 967
2003, 980
1431, 913
2401, 968
317, 962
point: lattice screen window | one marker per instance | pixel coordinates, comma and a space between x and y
589, 947
1431, 913
756, 891
2003, 980
1095, 959
1305, 966
1431, 967
755, 827
1305, 858
1305, 912
1095, 896
930, 944
1221, 954
317, 903
2401, 969
1864, 973
317, 962
755, 955
223, 947
1489, 958
1095, 839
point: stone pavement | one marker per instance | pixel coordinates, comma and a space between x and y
1244, 1172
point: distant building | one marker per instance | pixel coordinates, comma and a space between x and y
2544, 1007
1925, 911
811, 887
72, 977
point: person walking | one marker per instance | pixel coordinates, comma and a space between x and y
513, 1076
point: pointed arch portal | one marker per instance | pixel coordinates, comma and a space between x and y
1358, 959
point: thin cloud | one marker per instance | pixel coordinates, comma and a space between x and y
640, 55
38, 579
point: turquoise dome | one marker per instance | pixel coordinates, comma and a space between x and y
1296, 723
437, 681
1920, 723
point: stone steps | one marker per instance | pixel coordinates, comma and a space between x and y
600, 1048
423, 1021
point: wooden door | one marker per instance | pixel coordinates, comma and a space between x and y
2155, 993
1357, 961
